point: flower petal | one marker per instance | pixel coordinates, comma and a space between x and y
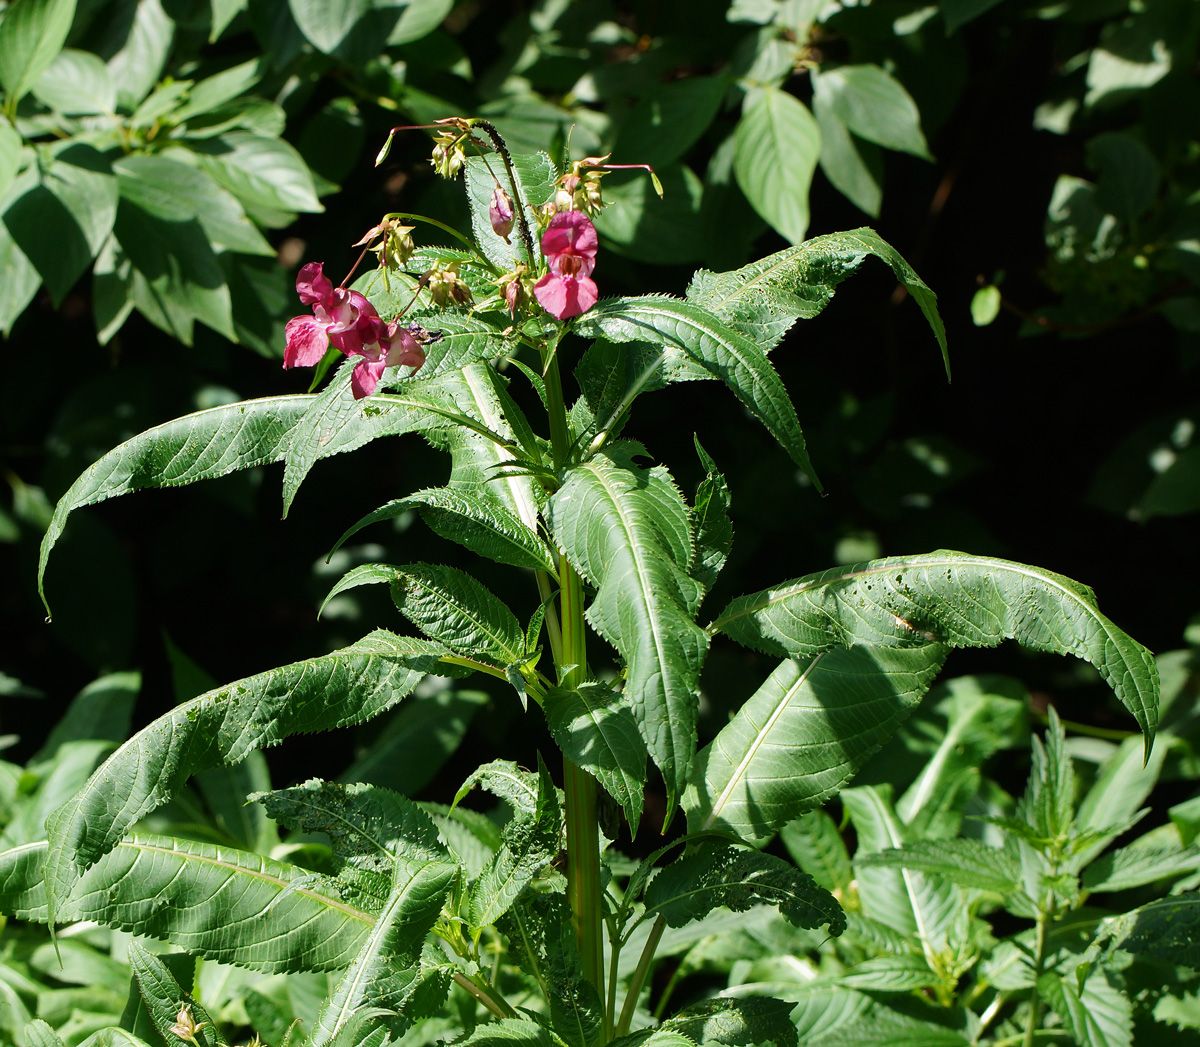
312, 285
366, 377
565, 296
306, 342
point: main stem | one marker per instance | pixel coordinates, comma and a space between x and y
583, 833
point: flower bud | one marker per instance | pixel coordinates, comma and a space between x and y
516, 288
446, 286
448, 155
500, 211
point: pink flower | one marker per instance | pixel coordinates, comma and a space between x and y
344, 318
569, 244
396, 345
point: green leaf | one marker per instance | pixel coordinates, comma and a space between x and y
482, 525
138, 46
873, 105
705, 341
39, 1034
536, 177
828, 1016
267, 175
737, 877
738, 1023
199, 446
1048, 805
817, 847
763, 299
454, 609
509, 1032
20, 284
31, 34
1099, 1016
951, 598
628, 531
220, 88
204, 898
889, 974
384, 973
64, 209
530, 843
668, 121
714, 531
76, 83
1128, 173
505, 779
1167, 929
776, 145
969, 863
348, 686
595, 728
165, 1000
803, 735
1139, 865
1121, 787
853, 166
957, 13
639, 224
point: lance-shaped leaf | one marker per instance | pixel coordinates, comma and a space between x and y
803, 735
174, 1012
763, 299
714, 531
485, 526
1138, 865
346, 687
595, 727
969, 863
738, 877
716, 348
226, 904
199, 446
39, 1034
950, 598
385, 973
628, 531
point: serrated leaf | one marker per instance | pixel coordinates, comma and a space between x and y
627, 530
165, 1000
205, 898
1168, 929
843, 1017
817, 847
874, 105
714, 531
763, 299
348, 686
536, 178
1120, 789
509, 1032
969, 863
890, 974
776, 145
1139, 865
32, 33
596, 729
736, 1023
385, 974
803, 735
1099, 1016
947, 598
482, 525
708, 343
504, 779
737, 877
1048, 804
39, 1034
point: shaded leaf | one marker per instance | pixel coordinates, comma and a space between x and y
970, 863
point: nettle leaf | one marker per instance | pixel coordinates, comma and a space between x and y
714, 530
763, 299
385, 974
628, 531
947, 598
207, 899
536, 178
738, 877
803, 735
1048, 805
482, 525
707, 342
840, 1016
737, 1023
366, 824
348, 686
889, 974
817, 847
776, 145
969, 863
529, 844
164, 998
1100, 1015
595, 727
1167, 929
874, 105
1138, 865
39, 1034
509, 1032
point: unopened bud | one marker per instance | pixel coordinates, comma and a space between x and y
500, 211
446, 286
448, 155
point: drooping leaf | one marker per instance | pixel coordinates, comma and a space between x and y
763, 299
947, 598
504, 779
714, 531
803, 735
348, 686
385, 974
776, 145
709, 346
628, 531
738, 877
595, 727
204, 898
970, 863
484, 526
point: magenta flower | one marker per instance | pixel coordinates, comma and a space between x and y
344, 318
396, 346
569, 245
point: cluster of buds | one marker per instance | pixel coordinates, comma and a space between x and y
395, 243
516, 288
446, 287
348, 322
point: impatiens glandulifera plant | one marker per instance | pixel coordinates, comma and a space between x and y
540, 929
